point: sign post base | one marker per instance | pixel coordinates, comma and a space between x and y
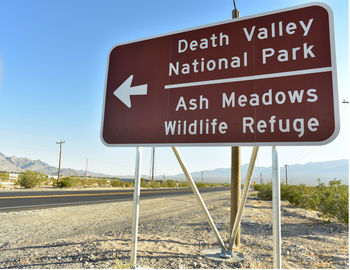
217, 254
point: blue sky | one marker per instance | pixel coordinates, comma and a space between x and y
53, 56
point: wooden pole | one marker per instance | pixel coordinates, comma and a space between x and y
234, 232
235, 175
235, 188
59, 162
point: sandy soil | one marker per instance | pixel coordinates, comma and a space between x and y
173, 233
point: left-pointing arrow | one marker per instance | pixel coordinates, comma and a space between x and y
125, 90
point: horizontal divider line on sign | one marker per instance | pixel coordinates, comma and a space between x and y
250, 78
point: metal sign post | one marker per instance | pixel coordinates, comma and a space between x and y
136, 207
276, 209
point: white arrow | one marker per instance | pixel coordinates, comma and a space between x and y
124, 91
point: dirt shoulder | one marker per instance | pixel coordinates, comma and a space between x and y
172, 234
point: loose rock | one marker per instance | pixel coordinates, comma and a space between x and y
173, 232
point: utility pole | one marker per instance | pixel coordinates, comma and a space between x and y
286, 169
261, 179
235, 171
87, 160
202, 176
152, 163
59, 162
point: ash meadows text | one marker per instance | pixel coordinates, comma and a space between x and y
249, 124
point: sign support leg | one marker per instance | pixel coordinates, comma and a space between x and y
235, 188
199, 198
235, 172
244, 198
276, 209
136, 207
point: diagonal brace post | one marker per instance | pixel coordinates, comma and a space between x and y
243, 198
199, 198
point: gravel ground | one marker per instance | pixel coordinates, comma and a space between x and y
173, 233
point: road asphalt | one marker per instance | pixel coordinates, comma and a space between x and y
24, 200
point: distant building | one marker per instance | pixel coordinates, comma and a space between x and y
13, 177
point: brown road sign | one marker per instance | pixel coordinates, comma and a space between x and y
268, 79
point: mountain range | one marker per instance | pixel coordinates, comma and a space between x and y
20, 164
308, 173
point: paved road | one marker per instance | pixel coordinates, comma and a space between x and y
22, 200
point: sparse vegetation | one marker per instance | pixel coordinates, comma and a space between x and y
77, 182
4, 176
331, 200
30, 179
169, 184
115, 183
119, 183
65, 182
184, 185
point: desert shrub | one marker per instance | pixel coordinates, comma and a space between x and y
154, 184
332, 200
65, 182
4, 176
118, 183
115, 183
264, 191
127, 184
30, 179
168, 183
184, 185
201, 185
102, 183
214, 185
144, 183
301, 195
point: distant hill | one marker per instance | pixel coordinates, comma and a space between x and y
19, 164
297, 173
